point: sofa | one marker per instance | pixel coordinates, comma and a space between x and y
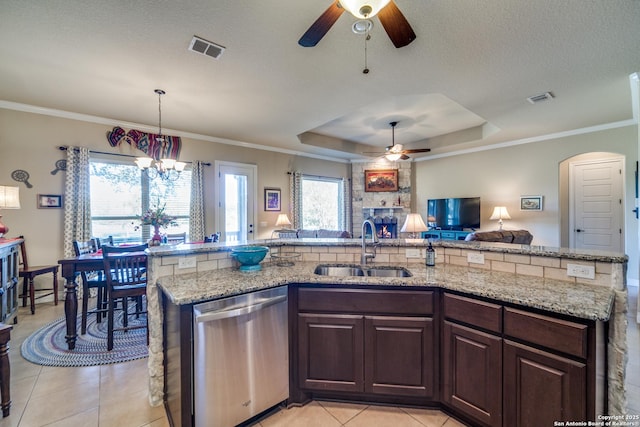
520, 237
322, 233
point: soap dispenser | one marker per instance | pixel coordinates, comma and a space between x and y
430, 260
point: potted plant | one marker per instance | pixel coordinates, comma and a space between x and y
157, 217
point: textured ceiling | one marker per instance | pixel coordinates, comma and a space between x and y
462, 83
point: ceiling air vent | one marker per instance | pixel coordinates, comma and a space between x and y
206, 47
547, 96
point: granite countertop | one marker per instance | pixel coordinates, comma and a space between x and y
578, 300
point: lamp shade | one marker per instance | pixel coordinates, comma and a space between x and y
500, 212
283, 219
9, 197
144, 162
413, 224
364, 9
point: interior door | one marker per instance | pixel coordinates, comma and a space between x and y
596, 205
236, 201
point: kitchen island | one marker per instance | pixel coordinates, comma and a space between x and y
533, 278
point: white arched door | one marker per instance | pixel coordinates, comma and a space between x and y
596, 202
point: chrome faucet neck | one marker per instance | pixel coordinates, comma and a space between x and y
374, 240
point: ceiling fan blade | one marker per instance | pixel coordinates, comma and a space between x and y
322, 25
417, 150
396, 25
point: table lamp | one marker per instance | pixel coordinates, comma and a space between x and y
281, 225
500, 213
413, 224
9, 199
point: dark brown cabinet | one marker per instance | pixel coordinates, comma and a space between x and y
399, 356
472, 358
504, 366
472, 368
540, 387
330, 352
385, 346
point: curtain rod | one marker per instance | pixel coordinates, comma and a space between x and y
65, 148
320, 176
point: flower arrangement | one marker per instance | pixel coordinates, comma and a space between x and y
157, 217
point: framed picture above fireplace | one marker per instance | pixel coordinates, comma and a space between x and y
381, 180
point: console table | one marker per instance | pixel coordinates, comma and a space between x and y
445, 234
9, 249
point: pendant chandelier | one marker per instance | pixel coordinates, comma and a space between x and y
168, 169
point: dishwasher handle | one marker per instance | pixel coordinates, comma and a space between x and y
236, 312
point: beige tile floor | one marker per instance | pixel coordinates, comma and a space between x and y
116, 395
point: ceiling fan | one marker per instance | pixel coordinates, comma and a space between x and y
393, 21
395, 151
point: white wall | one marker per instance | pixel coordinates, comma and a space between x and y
500, 177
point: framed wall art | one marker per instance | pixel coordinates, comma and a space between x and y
381, 180
531, 203
46, 201
272, 199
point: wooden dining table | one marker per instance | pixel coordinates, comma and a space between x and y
71, 269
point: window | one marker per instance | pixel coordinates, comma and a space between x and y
120, 192
322, 203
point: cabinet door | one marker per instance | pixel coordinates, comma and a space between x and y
330, 352
399, 356
540, 388
472, 366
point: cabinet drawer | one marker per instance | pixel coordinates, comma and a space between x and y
366, 301
448, 235
473, 312
556, 334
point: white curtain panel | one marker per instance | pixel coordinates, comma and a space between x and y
77, 209
295, 205
345, 214
196, 211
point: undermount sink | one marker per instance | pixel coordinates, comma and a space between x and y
339, 270
357, 270
389, 272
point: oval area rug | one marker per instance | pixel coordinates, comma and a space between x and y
47, 346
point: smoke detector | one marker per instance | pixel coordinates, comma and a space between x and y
547, 96
200, 45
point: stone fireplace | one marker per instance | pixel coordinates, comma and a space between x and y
388, 210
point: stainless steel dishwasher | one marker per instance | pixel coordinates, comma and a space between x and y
241, 357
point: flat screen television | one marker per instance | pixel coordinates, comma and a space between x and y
454, 213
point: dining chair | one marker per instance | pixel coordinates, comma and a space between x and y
104, 241
111, 249
91, 280
29, 273
126, 279
175, 239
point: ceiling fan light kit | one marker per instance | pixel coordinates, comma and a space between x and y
395, 152
393, 21
363, 9
362, 26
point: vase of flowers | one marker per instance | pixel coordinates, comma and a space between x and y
157, 217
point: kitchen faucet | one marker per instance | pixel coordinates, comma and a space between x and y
374, 240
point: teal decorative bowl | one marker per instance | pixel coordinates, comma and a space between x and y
249, 256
